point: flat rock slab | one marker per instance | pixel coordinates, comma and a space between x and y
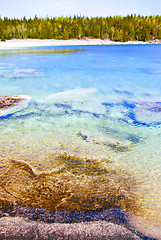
20, 229
27, 223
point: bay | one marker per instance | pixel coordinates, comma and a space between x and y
90, 138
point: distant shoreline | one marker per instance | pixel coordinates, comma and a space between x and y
20, 43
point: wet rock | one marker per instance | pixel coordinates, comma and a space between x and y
9, 104
9, 101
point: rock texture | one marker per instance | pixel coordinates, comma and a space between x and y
21, 229
27, 223
9, 101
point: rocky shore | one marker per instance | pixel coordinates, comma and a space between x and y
113, 224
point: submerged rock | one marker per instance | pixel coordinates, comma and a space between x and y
23, 73
147, 113
79, 185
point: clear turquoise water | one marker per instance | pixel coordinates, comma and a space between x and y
104, 101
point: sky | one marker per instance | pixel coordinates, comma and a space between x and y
90, 8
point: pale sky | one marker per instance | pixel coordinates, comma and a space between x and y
90, 8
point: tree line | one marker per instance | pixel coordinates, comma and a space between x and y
115, 28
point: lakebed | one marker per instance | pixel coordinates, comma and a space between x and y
89, 140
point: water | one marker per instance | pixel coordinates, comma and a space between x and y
90, 138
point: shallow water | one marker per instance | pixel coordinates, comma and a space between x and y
90, 138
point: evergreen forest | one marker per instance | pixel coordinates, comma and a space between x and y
115, 28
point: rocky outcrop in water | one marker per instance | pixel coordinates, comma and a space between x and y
9, 101
10, 104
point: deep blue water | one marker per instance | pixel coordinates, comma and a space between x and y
107, 68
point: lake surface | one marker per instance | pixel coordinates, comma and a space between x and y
90, 138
